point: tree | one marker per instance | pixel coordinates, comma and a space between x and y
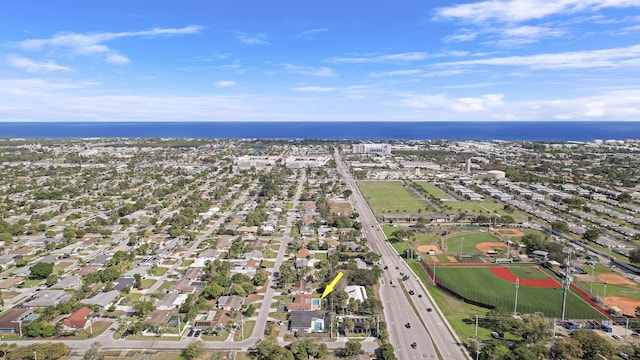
386, 352
142, 308
94, 352
560, 226
593, 345
52, 279
534, 328
6, 237
591, 235
566, 348
351, 348
494, 350
41, 270
193, 350
349, 324
137, 280
634, 256
269, 349
248, 312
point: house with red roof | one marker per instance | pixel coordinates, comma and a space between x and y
78, 320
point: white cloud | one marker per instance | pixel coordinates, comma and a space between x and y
466, 36
233, 67
312, 71
415, 73
315, 89
252, 39
605, 58
463, 104
225, 83
32, 66
515, 11
308, 34
390, 58
92, 43
407, 72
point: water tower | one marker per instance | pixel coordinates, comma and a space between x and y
467, 161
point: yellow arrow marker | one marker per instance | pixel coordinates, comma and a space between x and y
329, 287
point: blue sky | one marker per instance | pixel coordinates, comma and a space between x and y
326, 60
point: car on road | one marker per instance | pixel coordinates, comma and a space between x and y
616, 336
407, 325
414, 345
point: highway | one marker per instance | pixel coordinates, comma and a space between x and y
429, 330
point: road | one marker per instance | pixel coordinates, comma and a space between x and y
431, 332
258, 330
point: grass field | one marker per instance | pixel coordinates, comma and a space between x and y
480, 284
390, 197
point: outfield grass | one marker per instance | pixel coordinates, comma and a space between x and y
469, 243
458, 313
479, 284
390, 197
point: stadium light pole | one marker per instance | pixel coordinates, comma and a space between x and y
461, 241
566, 281
515, 304
591, 285
604, 294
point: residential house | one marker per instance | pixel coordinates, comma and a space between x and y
183, 286
77, 320
157, 317
308, 321
301, 287
172, 301
232, 302
204, 319
192, 274
7, 260
102, 299
89, 269
45, 298
15, 319
123, 282
304, 302
70, 282
221, 319
10, 283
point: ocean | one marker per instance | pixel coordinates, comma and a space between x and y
470, 130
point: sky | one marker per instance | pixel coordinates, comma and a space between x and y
303, 60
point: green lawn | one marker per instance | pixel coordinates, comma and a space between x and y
479, 284
390, 197
432, 190
248, 329
147, 283
159, 271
